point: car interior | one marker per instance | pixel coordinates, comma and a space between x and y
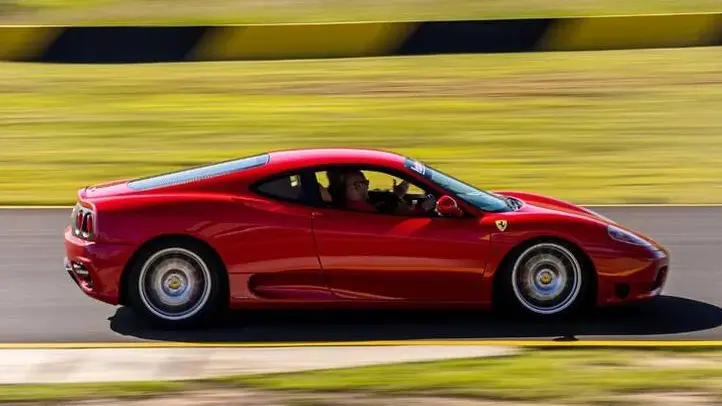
380, 190
332, 190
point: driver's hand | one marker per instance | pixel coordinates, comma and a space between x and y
401, 189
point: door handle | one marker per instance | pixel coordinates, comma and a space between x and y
316, 214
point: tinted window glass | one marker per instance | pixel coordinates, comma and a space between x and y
482, 199
197, 173
286, 188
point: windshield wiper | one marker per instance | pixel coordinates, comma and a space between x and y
505, 199
510, 202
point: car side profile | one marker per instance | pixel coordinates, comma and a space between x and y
275, 230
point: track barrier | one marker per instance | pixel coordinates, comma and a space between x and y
147, 44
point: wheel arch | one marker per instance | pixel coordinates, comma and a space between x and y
181, 239
587, 263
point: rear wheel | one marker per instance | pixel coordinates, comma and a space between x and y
546, 279
176, 285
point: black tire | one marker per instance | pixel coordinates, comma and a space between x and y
178, 265
560, 271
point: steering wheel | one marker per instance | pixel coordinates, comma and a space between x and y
388, 204
431, 198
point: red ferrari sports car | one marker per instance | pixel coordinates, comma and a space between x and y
345, 227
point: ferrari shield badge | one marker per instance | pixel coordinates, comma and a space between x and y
501, 225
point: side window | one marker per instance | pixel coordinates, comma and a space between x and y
372, 191
323, 186
331, 186
384, 182
285, 188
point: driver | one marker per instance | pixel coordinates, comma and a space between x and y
357, 188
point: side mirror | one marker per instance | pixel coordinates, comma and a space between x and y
447, 206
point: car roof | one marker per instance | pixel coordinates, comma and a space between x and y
331, 156
273, 161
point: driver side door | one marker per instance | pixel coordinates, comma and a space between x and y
370, 256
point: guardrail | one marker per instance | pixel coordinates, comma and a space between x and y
143, 44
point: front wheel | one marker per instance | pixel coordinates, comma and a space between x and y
546, 279
176, 285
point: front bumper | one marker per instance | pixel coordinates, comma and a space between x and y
95, 268
637, 283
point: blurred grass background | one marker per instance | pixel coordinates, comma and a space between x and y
255, 11
600, 127
640, 126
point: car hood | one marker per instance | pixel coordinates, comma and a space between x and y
533, 202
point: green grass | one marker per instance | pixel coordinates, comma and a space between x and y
264, 11
563, 375
591, 127
67, 392
560, 375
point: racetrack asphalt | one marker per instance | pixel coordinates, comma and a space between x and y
40, 304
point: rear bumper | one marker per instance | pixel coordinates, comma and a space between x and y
95, 268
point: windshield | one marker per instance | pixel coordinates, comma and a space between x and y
483, 200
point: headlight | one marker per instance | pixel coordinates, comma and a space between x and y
626, 237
